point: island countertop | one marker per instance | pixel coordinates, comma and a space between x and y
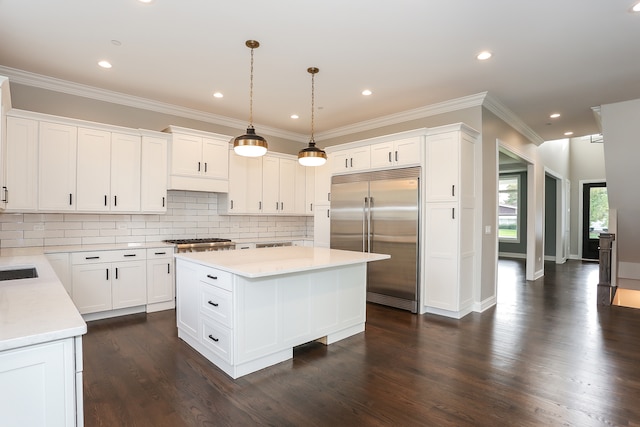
37, 310
255, 263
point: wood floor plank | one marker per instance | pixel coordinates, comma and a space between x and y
545, 355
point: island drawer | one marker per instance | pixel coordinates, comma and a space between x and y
217, 338
216, 303
153, 253
219, 278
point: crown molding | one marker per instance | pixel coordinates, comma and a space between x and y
597, 113
76, 89
85, 91
405, 116
500, 110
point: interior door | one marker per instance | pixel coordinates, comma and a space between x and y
595, 217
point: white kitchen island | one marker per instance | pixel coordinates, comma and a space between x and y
245, 310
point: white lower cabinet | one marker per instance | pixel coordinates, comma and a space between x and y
160, 279
41, 385
108, 280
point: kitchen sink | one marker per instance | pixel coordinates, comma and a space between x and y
18, 273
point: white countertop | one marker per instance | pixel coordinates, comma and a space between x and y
38, 250
37, 310
254, 263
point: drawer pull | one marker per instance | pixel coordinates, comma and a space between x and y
129, 255
214, 339
160, 253
92, 257
215, 304
212, 277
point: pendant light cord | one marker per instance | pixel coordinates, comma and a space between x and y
251, 93
313, 75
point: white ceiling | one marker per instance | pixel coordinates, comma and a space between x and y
561, 56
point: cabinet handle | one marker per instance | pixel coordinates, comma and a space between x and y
6, 194
168, 268
116, 273
453, 213
160, 253
115, 200
105, 200
453, 190
198, 166
215, 304
231, 204
107, 274
205, 167
92, 257
281, 206
311, 207
328, 197
389, 156
351, 161
277, 204
129, 255
260, 205
396, 155
346, 163
70, 199
163, 201
212, 277
214, 339
327, 213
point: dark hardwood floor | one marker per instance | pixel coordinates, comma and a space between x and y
545, 355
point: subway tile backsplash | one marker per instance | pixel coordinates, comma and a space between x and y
190, 214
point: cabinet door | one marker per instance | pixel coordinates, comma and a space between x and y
125, 173
129, 284
361, 158
382, 155
91, 287
153, 175
442, 167
322, 226
287, 186
270, 184
407, 151
57, 165
309, 190
322, 184
22, 164
441, 270
186, 155
339, 161
215, 159
38, 385
94, 170
159, 280
237, 197
254, 184
300, 192
187, 297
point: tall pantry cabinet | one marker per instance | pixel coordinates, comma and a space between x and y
450, 217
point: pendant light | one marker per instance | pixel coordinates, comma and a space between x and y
250, 144
312, 156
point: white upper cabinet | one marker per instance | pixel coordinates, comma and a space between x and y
350, 160
403, 152
153, 170
278, 185
21, 181
57, 167
125, 172
199, 161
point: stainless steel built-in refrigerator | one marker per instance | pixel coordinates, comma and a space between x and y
379, 212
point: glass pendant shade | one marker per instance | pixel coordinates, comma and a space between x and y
250, 144
312, 156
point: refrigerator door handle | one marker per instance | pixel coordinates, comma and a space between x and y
365, 231
369, 231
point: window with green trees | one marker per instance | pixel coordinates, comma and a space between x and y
508, 212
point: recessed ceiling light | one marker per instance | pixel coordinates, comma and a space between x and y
568, 133
218, 95
145, 1
636, 7
295, 116
366, 92
104, 64
555, 115
484, 55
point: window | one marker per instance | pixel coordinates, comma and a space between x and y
508, 203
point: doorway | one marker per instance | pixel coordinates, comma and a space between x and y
595, 217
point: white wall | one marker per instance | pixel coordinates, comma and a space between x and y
189, 214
